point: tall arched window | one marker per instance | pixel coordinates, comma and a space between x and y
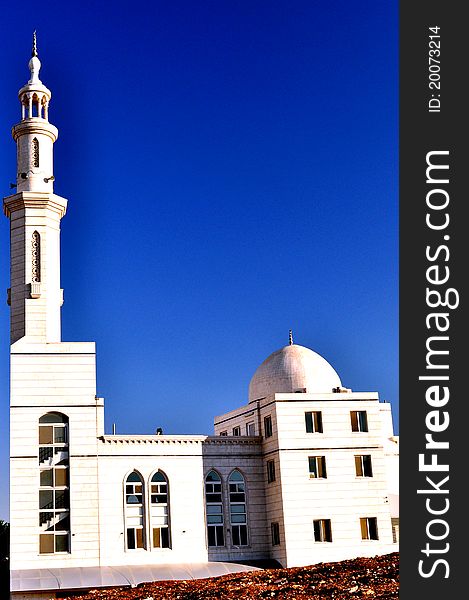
36, 257
54, 491
238, 515
214, 508
159, 510
134, 511
35, 152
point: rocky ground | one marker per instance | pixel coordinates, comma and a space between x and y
367, 578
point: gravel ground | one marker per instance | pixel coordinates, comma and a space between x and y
371, 578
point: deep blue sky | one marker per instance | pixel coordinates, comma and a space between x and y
232, 172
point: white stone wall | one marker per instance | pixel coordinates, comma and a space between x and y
180, 458
44, 378
295, 501
342, 497
37, 317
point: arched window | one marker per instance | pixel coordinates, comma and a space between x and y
238, 516
54, 492
214, 509
35, 152
159, 510
36, 257
134, 511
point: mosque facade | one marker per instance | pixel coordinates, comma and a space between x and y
304, 472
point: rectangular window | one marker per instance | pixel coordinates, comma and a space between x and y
223, 433
239, 535
134, 538
395, 530
160, 537
322, 530
313, 421
363, 465
275, 531
270, 471
369, 528
268, 426
317, 467
237, 431
250, 428
215, 535
61, 543
46, 543
50, 543
359, 420
46, 434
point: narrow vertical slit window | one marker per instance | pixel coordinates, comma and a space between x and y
35, 152
268, 426
36, 258
270, 471
275, 533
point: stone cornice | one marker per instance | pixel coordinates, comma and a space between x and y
35, 126
232, 440
44, 200
180, 439
151, 439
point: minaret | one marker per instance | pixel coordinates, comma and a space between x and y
35, 211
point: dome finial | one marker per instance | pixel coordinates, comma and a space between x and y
34, 51
290, 335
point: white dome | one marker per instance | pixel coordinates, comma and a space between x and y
292, 369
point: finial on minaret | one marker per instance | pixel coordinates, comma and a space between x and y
34, 63
290, 335
34, 52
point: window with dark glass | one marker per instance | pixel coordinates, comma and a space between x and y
369, 528
159, 510
317, 467
238, 514
237, 431
322, 530
363, 465
250, 428
268, 426
359, 420
214, 509
270, 471
313, 421
275, 533
134, 511
54, 492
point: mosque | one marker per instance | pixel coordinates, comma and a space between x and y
304, 472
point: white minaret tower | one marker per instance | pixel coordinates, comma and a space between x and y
35, 211
56, 418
